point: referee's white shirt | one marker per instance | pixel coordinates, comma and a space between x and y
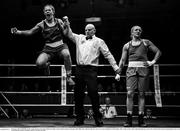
88, 51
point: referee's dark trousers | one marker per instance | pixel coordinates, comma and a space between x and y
86, 76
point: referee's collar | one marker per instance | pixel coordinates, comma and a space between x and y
90, 37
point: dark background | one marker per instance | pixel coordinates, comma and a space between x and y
158, 18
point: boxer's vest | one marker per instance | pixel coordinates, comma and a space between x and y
52, 34
137, 53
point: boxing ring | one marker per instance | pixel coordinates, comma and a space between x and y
63, 98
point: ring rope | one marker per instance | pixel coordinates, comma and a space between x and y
4, 112
52, 65
28, 77
7, 92
26, 65
75, 65
52, 77
9, 103
68, 105
36, 77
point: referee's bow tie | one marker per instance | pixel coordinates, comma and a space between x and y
87, 38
